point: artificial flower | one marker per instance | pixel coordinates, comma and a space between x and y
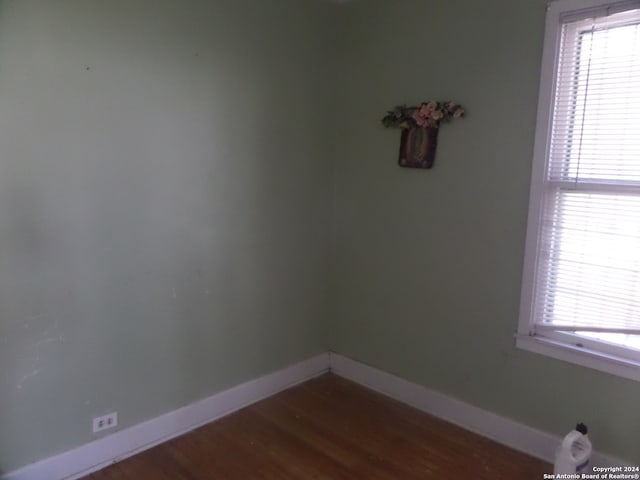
428, 114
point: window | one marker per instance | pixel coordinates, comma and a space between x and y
581, 285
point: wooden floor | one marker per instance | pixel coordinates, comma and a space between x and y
327, 428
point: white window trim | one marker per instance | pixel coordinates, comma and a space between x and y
576, 351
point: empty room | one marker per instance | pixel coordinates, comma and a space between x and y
323, 239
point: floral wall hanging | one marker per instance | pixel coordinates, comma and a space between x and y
420, 130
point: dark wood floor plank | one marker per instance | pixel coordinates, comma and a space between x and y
113, 472
327, 429
320, 435
355, 441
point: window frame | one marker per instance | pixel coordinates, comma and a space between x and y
564, 346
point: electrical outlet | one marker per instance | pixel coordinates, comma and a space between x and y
109, 420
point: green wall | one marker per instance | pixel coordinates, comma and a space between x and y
195, 193
164, 206
428, 263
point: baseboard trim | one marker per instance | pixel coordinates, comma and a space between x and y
501, 429
93, 456
98, 454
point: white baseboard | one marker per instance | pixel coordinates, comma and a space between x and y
93, 456
100, 453
503, 430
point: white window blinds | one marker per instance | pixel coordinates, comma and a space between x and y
588, 271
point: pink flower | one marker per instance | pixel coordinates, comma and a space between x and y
419, 118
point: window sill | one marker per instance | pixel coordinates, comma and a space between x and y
621, 367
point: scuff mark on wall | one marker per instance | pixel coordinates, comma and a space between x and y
49, 335
26, 377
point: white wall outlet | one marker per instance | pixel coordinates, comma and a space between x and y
109, 420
